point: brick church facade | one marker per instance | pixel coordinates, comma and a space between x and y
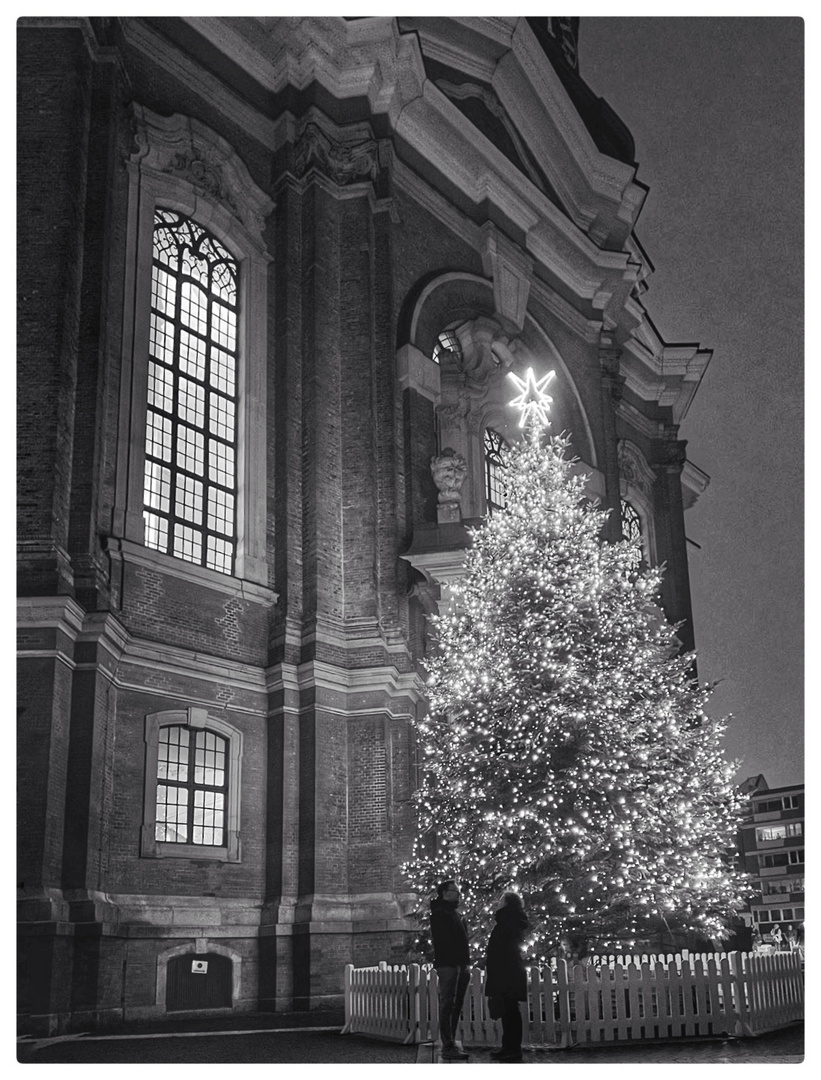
272, 275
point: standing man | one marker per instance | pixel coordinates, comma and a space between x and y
451, 959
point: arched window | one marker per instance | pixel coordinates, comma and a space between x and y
192, 786
446, 342
191, 424
631, 528
495, 488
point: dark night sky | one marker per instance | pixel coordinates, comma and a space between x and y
716, 109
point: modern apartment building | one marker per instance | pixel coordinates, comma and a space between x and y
771, 844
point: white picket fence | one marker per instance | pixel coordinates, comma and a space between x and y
613, 999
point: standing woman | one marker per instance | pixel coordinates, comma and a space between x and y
506, 975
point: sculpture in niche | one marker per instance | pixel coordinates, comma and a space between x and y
474, 351
449, 470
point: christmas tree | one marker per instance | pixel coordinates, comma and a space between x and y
567, 754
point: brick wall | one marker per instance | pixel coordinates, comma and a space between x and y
43, 710
326, 788
369, 844
161, 607
53, 92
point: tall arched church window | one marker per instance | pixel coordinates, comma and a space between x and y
495, 488
191, 424
446, 342
631, 527
191, 468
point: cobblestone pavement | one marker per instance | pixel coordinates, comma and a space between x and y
305, 1042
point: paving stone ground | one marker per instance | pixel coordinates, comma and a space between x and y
316, 1039
782, 1047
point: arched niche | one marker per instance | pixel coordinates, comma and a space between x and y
468, 386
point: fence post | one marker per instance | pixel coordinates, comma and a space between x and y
414, 1034
565, 1023
741, 990
348, 980
433, 1004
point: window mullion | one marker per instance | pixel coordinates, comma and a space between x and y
192, 758
175, 403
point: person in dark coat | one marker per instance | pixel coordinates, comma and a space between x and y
506, 974
451, 954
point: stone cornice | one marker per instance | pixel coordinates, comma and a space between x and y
346, 681
694, 482
505, 54
589, 330
590, 183
44, 612
172, 663
635, 419
145, 39
378, 62
405, 179
380, 59
666, 374
159, 563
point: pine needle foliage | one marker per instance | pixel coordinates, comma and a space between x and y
567, 753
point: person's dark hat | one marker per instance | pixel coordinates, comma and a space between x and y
440, 888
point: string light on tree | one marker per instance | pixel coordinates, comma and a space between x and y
567, 753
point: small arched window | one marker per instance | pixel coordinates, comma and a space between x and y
631, 528
446, 342
192, 786
495, 487
191, 425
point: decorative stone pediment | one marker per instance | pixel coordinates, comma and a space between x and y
185, 148
487, 101
633, 467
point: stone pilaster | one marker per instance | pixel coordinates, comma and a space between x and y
612, 383
671, 541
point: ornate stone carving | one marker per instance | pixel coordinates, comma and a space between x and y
204, 176
609, 359
189, 150
674, 454
484, 348
452, 415
610, 365
344, 162
449, 470
633, 467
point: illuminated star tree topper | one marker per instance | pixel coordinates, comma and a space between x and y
532, 401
